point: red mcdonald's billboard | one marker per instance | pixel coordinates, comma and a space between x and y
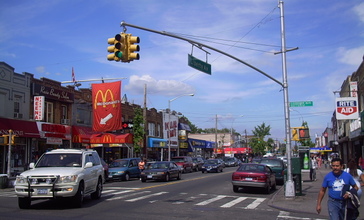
106, 104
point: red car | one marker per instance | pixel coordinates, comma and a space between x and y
185, 163
254, 175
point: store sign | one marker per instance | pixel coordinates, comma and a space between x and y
39, 108
347, 108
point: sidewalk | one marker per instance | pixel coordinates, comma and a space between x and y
307, 202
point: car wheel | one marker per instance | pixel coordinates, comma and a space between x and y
191, 169
144, 180
24, 202
166, 178
179, 176
127, 177
77, 199
236, 189
97, 193
274, 187
203, 171
267, 188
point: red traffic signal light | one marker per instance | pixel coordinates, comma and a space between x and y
304, 133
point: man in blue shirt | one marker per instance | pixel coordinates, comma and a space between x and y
338, 182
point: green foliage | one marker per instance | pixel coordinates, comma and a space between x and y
257, 143
138, 130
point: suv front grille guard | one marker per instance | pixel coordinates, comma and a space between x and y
42, 180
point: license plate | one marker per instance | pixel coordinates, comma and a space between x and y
42, 191
149, 176
110, 176
208, 169
248, 178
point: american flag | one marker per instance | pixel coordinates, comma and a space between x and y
73, 76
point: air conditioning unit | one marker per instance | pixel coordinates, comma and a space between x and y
18, 115
65, 121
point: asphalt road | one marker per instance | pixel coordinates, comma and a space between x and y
196, 196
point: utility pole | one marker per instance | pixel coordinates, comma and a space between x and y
145, 141
216, 144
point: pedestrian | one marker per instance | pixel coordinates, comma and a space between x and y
338, 183
141, 165
313, 166
356, 173
361, 163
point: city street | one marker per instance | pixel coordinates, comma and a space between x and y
196, 196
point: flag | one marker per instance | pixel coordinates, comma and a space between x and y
73, 76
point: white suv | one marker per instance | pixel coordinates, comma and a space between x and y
71, 173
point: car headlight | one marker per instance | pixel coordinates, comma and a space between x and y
214, 166
160, 172
121, 172
20, 180
203, 167
67, 179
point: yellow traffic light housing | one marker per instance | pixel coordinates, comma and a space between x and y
295, 135
118, 49
4, 140
131, 42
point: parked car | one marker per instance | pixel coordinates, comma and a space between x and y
256, 160
61, 173
124, 169
231, 161
161, 170
106, 169
254, 175
197, 163
212, 165
184, 163
278, 167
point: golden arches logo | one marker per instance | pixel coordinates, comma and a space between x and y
107, 138
103, 99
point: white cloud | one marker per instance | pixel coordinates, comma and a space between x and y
161, 87
359, 10
40, 69
351, 56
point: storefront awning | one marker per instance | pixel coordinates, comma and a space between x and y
320, 149
108, 138
81, 134
20, 128
157, 142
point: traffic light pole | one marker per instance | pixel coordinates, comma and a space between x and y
289, 189
9, 153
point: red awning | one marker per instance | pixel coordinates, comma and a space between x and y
20, 128
108, 138
81, 134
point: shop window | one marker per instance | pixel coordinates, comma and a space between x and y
151, 129
49, 112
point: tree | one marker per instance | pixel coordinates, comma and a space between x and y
257, 143
138, 130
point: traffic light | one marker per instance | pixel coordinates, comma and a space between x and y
295, 135
304, 133
118, 49
131, 42
4, 140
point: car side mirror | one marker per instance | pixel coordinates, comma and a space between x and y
88, 165
31, 165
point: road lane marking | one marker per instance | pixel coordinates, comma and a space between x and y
144, 197
211, 200
234, 202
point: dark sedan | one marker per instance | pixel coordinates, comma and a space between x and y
212, 165
254, 175
161, 170
278, 167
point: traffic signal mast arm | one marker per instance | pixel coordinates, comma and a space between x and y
203, 45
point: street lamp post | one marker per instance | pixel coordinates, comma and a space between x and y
169, 123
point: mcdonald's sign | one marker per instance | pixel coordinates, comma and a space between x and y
108, 138
106, 106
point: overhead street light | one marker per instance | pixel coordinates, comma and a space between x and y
169, 123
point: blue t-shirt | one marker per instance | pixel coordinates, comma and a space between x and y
337, 183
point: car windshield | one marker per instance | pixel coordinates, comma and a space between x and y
229, 160
119, 163
251, 168
211, 162
178, 160
272, 163
158, 166
60, 160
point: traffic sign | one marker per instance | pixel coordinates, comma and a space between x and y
301, 104
199, 64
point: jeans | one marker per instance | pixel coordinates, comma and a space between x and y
336, 209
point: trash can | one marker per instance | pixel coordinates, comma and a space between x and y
296, 175
3, 181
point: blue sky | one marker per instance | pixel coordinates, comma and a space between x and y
48, 38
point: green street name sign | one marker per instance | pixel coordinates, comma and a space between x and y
199, 64
301, 104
